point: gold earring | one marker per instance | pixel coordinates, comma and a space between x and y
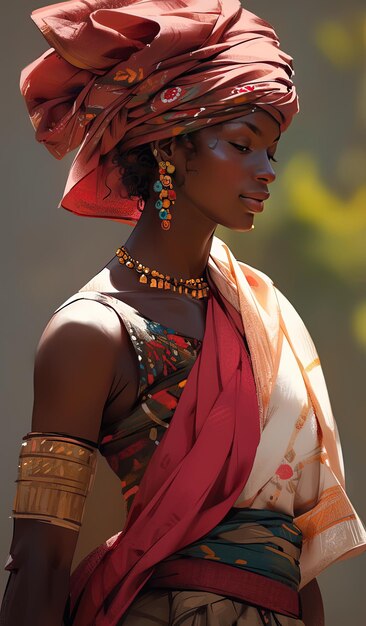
164, 187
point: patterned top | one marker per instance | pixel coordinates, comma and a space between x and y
165, 359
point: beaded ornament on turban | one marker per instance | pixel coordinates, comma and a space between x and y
129, 72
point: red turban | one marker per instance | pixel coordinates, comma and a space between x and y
134, 71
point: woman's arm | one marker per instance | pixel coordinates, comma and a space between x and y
312, 604
74, 370
38, 586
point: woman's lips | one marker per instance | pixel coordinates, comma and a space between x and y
255, 206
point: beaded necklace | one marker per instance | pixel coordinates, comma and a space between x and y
195, 287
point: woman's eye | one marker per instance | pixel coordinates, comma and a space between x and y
240, 148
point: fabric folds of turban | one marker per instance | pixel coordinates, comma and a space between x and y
129, 72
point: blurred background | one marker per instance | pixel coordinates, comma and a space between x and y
311, 240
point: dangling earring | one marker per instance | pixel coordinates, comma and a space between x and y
164, 187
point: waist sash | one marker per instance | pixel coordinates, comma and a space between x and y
252, 555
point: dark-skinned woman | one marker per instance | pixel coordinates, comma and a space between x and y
188, 370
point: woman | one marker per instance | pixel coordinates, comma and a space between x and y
233, 505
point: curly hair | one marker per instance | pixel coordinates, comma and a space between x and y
137, 168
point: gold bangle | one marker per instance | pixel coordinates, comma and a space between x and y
55, 474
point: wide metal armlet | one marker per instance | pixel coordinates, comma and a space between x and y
55, 474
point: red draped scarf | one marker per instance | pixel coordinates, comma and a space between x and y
193, 478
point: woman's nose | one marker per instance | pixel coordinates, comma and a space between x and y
266, 172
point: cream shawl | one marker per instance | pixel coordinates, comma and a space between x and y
331, 528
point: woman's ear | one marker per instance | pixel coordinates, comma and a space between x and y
164, 148
168, 146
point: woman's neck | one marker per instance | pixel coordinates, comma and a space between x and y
181, 251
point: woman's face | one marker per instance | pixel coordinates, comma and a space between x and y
229, 160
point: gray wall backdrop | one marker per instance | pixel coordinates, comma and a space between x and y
314, 225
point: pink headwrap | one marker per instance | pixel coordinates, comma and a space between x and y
134, 71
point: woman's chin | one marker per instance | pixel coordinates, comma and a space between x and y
241, 225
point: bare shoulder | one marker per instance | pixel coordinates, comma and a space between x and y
85, 329
75, 368
86, 311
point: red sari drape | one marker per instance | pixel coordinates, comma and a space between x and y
193, 478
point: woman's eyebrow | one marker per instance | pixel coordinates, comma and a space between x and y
257, 130
254, 128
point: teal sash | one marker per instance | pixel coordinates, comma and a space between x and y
260, 541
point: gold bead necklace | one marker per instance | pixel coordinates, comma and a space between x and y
195, 287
